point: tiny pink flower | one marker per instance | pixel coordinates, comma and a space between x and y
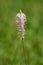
20, 20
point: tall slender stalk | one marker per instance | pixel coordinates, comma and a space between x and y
22, 42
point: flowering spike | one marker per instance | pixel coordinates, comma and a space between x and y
20, 20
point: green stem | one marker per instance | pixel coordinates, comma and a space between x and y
24, 50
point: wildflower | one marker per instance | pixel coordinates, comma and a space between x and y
20, 20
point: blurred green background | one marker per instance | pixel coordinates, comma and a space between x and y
11, 47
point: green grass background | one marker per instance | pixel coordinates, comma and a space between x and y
11, 49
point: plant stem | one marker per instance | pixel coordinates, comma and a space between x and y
24, 50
